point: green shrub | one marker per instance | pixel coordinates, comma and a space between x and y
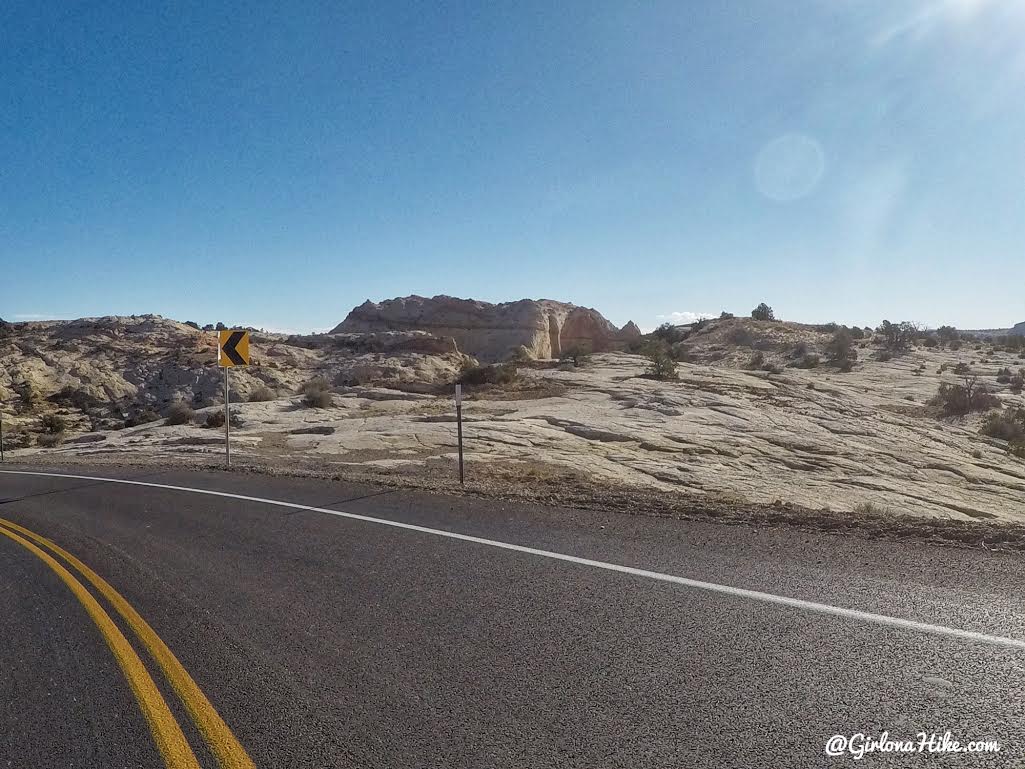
962, 369
961, 399
1004, 376
662, 366
763, 312
53, 424
215, 418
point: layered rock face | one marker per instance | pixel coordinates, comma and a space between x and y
1019, 329
490, 332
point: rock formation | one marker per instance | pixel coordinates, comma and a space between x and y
491, 332
1019, 329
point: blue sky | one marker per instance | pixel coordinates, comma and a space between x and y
275, 164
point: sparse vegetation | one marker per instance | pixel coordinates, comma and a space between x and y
53, 424
968, 396
898, 337
317, 393
662, 366
261, 394
179, 414
50, 440
578, 355
669, 333
840, 350
497, 374
1007, 426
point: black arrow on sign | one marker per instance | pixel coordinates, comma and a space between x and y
231, 352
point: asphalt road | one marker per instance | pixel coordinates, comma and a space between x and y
321, 641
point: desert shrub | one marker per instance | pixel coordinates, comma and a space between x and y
810, 360
726, 315
318, 399
962, 369
1017, 381
669, 333
49, 440
931, 341
262, 393
857, 332
662, 366
763, 312
500, 374
884, 355
18, 439
897, 337
192, 324
1007, 426
841, 348
53, 424
681, 353
578, 354
772, 368
961, 399
29, 396
827, 328
756, 362
215, 418
977, 454
955, 345
317, 384
1004, 376
947, 333
142, 417
740, 336
180, 414
845, 366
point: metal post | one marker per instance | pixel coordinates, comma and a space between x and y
227, 422
1, 435
459, 428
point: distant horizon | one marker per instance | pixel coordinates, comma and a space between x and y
677, 318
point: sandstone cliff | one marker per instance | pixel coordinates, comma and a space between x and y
542, 328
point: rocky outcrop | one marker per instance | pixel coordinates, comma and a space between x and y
542, 328
1019, 329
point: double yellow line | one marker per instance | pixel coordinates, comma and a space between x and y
168, 735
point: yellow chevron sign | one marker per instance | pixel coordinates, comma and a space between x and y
233, 348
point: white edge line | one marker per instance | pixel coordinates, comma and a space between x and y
754, 595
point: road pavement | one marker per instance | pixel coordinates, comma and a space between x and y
476, 633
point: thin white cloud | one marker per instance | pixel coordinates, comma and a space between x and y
929, 16
680, 318
34, 316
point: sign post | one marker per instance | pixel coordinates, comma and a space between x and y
1, 435
459, 428
232, 350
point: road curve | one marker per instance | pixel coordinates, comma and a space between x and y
419, 630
